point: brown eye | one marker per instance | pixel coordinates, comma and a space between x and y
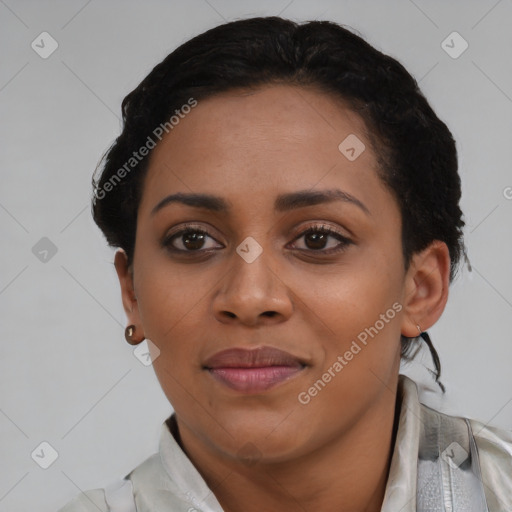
191, 239
316, 238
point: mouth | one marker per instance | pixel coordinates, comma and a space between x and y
255, 370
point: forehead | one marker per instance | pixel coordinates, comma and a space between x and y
262, 142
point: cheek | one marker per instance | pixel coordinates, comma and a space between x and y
170, 297
353, 298
172, 314
360, 320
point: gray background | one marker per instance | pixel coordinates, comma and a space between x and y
67, 375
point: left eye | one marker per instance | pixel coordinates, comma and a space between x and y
316, 238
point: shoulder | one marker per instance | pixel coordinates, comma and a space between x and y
492, 448
88, 501
148, 479
495, 454
492, 437
100, 500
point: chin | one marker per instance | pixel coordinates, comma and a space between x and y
257, 436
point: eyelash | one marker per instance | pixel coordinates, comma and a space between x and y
317, 228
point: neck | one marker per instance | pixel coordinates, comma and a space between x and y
347, 474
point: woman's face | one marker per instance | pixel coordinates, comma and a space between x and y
246, 276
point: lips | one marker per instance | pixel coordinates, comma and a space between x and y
255, 370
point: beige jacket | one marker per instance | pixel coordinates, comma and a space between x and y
440, 463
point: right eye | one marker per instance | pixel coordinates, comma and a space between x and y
191, 239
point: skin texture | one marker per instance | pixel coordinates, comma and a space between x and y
269, 451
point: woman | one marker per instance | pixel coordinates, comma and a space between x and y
286, 207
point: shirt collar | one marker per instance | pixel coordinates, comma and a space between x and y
401, 485
181, 470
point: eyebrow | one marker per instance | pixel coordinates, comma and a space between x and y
283, 202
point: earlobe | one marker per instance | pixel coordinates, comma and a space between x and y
426, 289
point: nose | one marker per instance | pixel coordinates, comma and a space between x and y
252, 294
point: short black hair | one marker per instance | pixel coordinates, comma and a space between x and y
416, 152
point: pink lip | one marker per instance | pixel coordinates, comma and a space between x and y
253, 370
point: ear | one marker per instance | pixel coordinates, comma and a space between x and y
125, 275
426, 288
